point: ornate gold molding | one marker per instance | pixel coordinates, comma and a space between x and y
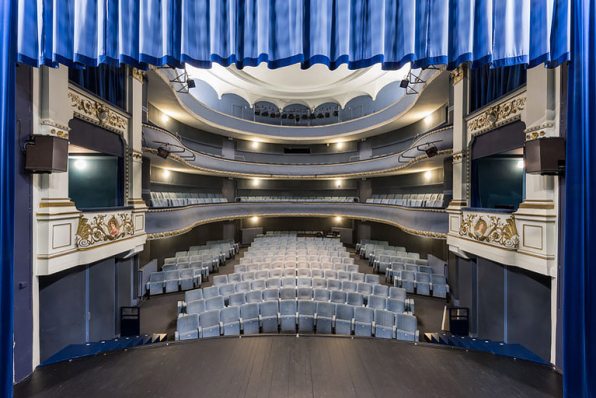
136, 154
137, 74
458, 74
103, 228
487, 228
50, 127
97, 113
498, 115
457, 156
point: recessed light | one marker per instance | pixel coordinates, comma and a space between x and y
338, 219
255, 144
428, 119
166, 173
255, 219
520, 164
427, 175
340, 145
165, 118
338, 183
80, 164
255, 182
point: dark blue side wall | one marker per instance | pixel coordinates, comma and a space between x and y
82, 304
506, 303
23, 261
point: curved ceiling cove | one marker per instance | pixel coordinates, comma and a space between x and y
428, 94
292, 85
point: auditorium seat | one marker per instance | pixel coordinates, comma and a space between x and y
344, 314
287, 293
271, 294
220, 280
423, 283
319, 283
395, 305
384, 324
156, 283
372, 279
196, 307
258, 284
333, 284
406, 280
439, 286
273, 283
306, 315
303, 282
169, 267
215, 303
269, 313
324, 319
254, 296
355, 299
237, 299
349, 287
321, 294
187, 327
357, 277
380, 290
363, 320
304, 293
377, 302
227, 290
230, 319
249, 315
338, 297
209, 323
406, 327
287, 315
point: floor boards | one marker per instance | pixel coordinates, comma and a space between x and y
289, 366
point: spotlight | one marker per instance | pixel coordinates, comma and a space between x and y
162, 152
166, 173
165, 118
431, 151
427, 175
80, 164
191, 83
336, 113
404, 83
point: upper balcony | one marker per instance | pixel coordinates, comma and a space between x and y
425, 94
408, 158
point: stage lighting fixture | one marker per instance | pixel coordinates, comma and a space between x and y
291, 116
312, 116
284, 116
265, 114
327, 114
191, 83
162, 152
404, 83
431, 151
336, 113
320, 116
257, 112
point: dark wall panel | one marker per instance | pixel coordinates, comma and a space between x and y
467, 289
126, 291
62, 310
412, 243
297, 223
529, 310
102, 300
491, 300
23, 233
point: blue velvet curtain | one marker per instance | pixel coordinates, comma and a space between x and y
8, 15
487, 84
579, 301
108, 82
282, 32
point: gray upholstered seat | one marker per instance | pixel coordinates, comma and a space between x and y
306, 315
187, 327
363, 320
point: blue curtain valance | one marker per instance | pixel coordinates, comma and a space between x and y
283, 32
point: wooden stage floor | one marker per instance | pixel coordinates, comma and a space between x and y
289, 366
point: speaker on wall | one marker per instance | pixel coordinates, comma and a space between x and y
47, 154
545, 156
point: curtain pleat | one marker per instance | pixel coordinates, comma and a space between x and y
358, 33
8, 51
579, 271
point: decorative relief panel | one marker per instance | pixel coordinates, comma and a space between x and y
89, 109
103, 228
490, 228
498, 115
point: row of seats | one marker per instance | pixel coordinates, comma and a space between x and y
184, 272
335, 199
409, 200
177, 199
375, 296
300, 269
296, 233
291, 316
422, 283
307, 275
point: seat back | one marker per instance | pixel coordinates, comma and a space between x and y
211, 291
220, 280
397, 293
372, 279
271, 294
355, 299
287, 293
322, 294
157, 277
209, 318
249, 311
237, 299
287, 307
333, 284
306, 307
230, 315
273, 283
384, 318
196, 307
337, 296
304, 293
303, 282
325, 309
344, 312
364, 288
407, 323
214, 303
192, 295
254, 296
188, 323
377, 302
380, 290
258, 284
364, 314
396, 305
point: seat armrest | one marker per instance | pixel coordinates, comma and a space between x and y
200, 332
176, 335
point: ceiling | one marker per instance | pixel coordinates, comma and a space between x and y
291, 85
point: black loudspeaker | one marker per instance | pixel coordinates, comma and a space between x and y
47, 154
545, 156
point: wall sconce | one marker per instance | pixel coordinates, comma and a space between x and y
338, 183
338, 219
255, 144
255, 219
255, 182
340, 145
166, 173
165, 118
427, 175
80, 164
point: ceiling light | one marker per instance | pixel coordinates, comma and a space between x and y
255, 219
520, 164
427, 120
80, 164
338, 219
255, 144
427, 175
255, 182
166, 173
340, 145
165, 118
